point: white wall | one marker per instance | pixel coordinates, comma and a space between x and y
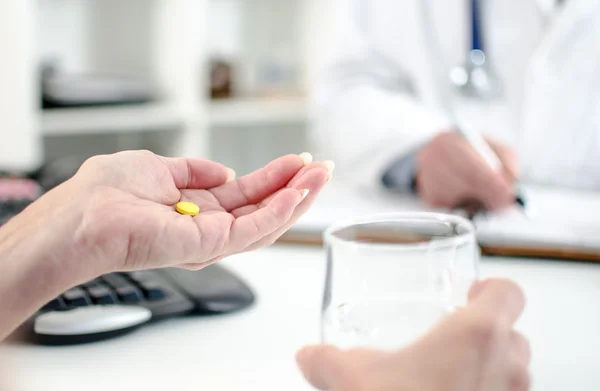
225, 28
316, 18
20, 147
62, 32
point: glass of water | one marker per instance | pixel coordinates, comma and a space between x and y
391, 277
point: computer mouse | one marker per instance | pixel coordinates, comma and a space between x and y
214, 290
87, 324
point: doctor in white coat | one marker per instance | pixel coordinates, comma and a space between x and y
401, 75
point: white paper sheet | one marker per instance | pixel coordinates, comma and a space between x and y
559, 218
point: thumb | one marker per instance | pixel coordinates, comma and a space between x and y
195, 173
498, 298
321, 365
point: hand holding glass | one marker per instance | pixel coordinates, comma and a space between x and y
391, 277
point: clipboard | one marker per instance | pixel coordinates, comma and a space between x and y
565, 224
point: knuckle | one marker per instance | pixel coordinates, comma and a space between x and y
522, 347
275, 215
526, 350
436, 147
435, 198
444, 137
474, 181
485, 331
520, 378
440, 201
256, 226
243, 190
142, 153
93, 163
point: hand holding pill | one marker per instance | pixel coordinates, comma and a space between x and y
137, 210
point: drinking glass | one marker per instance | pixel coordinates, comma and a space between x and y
391, 277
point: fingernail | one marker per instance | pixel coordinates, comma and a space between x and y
330, 165
306, 157
304, 193
230, 175
329, 176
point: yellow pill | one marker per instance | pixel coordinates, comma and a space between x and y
187, 208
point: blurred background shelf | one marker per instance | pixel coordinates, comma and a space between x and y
267, 49
243, 112
105, 120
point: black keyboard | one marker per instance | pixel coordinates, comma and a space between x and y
164, 293
147, 288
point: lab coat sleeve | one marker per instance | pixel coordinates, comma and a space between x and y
363, 116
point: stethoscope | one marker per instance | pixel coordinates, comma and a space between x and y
477, 78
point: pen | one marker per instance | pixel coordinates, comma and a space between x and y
489, 156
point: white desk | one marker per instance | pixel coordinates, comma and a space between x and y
254, 350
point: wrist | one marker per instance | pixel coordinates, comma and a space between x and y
27, 279
37, 260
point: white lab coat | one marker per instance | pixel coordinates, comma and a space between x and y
383, 90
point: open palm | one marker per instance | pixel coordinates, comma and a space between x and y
131, 222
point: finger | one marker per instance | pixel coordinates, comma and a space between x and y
249, 229
444, 187
193, 173
456, 178
519, 378
299, 182
499, 298
492, 188
499, 199
314, 181
485, 184
298, 179
438, 183
507, 157
476, 288
254, 187
321, 365
520, 348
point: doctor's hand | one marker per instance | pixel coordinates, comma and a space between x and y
451, 174
474, 349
